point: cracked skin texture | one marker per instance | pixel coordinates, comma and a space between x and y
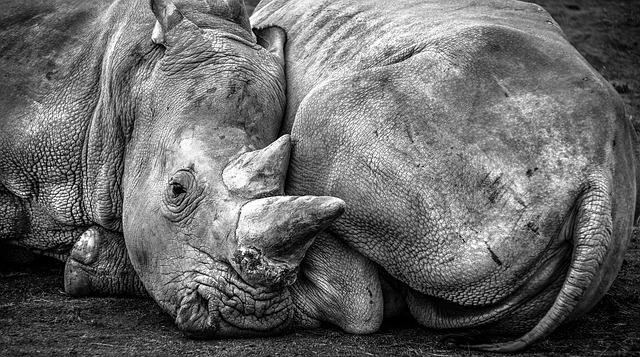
99, 125
35, 121
189, 268
107, 136
485, 164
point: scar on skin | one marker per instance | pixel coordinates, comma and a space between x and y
493, 255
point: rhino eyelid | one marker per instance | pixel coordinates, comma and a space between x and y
191, 168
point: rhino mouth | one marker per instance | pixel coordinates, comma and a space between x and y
220, 304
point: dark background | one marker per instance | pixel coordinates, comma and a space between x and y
36, 317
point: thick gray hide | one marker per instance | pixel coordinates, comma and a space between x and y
155, 123
486, 166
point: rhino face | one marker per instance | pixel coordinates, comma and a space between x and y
206, 227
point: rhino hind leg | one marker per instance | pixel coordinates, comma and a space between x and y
598, 251
340, 286
99, 265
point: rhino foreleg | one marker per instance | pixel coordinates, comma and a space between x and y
339, 286
13, 217
13, 226
99, 265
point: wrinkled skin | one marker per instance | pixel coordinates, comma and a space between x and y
433, 146
487, 168
155, 123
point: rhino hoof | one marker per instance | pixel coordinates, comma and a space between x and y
76, 280
86, 249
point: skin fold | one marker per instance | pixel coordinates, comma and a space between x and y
487, 168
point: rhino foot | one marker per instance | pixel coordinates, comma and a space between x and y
99, 265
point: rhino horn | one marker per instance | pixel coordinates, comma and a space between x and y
259, 173
274, 233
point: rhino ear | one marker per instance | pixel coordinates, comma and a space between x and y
238, 13
167, 16
273, 38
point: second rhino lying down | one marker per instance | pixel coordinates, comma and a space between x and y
488, 171
487, 168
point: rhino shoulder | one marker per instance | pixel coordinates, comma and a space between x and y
51, 62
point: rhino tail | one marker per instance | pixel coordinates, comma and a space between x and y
635, 140
587, 278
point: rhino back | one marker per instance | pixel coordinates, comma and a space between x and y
331, 38
58, 148
38, 39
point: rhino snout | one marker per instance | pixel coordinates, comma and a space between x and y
218, 304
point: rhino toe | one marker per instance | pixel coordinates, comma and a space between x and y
86, 249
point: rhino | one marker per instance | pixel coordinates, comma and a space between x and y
490, 173
155, 124
485, 172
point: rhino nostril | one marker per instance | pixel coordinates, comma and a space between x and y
255, 268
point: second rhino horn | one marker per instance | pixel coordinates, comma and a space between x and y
259, 173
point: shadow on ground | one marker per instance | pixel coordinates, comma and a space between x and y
36, 317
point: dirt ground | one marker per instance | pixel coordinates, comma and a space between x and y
37, 318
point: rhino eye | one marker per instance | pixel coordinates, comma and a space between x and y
179, 185
177, 189
182, 195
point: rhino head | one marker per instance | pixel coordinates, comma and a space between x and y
206, 226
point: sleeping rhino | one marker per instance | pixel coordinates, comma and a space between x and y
488, 170
154, 122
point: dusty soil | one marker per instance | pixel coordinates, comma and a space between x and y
37, 318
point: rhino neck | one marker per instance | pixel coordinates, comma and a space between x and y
127, 58
66, 109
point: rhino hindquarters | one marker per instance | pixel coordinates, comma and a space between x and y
595, 250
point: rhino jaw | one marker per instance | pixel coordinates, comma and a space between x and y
274, 233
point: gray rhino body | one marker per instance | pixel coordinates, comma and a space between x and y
488, 169
155, 123
62, 128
